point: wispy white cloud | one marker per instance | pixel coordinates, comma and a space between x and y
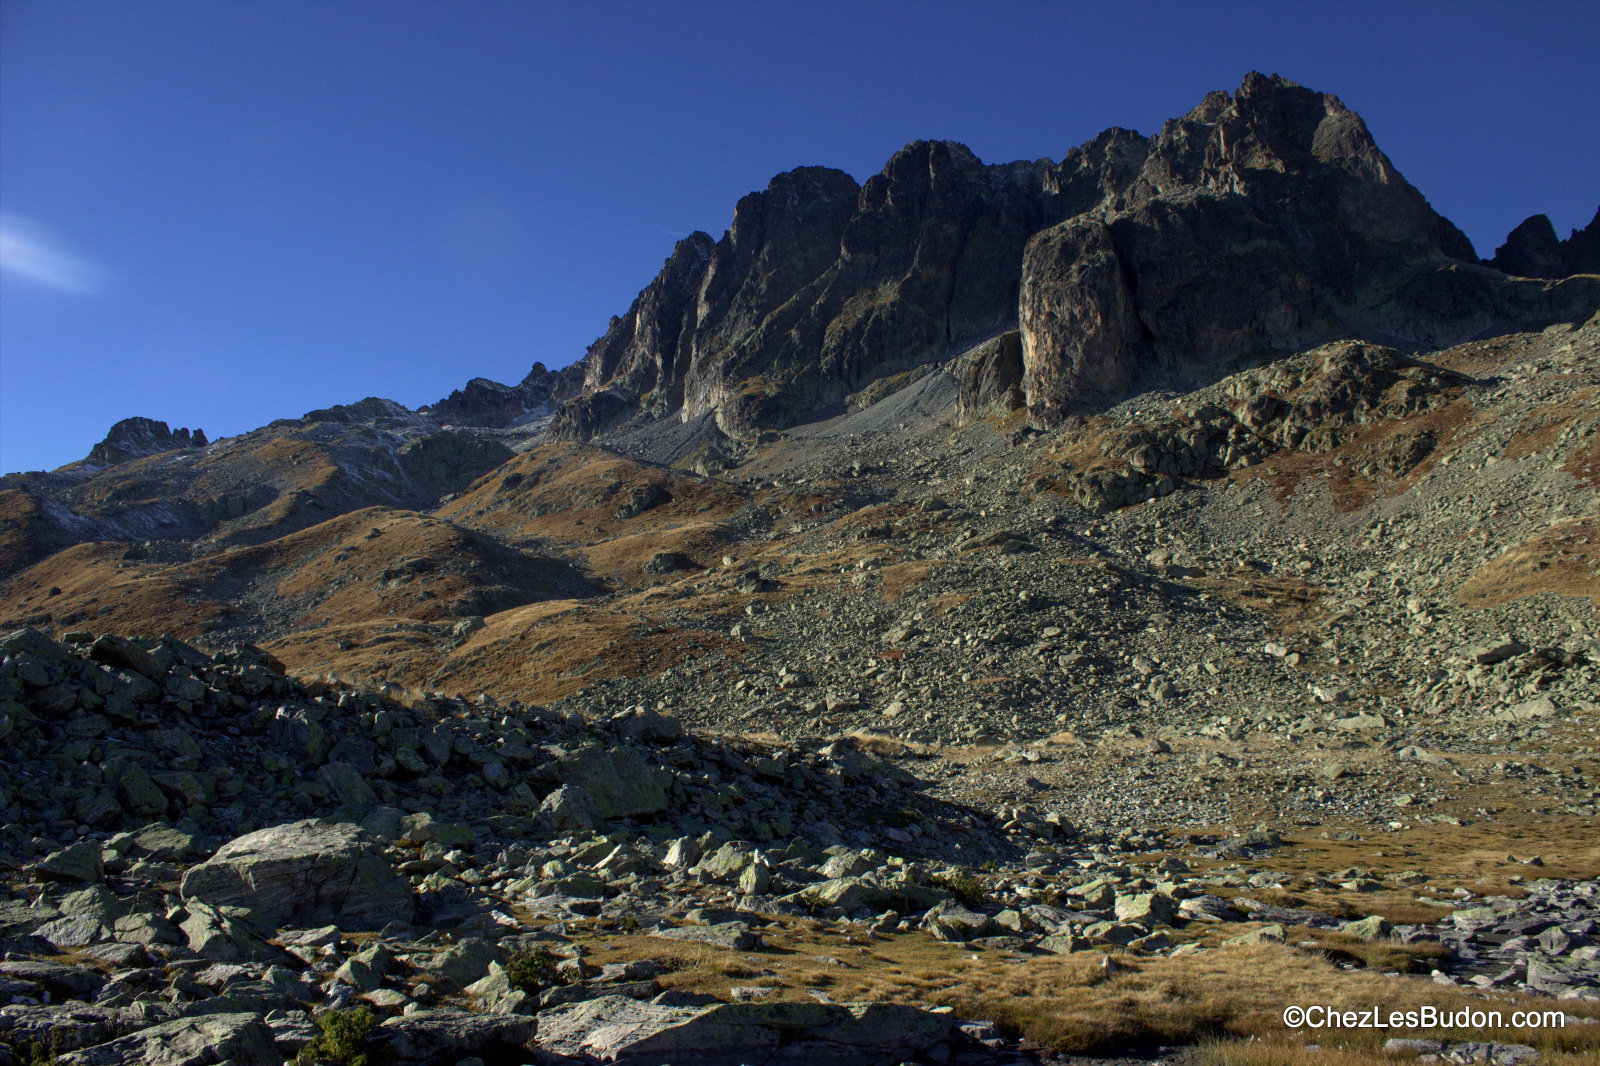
28, 252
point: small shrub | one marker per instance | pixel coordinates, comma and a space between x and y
904, 818
532, 971
962, 885
344, 1034
35, 1053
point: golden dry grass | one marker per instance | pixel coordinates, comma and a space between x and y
1564, 559
570, 493
1074, 1002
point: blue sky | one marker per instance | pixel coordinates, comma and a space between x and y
221, 213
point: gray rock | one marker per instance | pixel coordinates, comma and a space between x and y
80, 863
1061, 944
735, 936
614, 1028
384, 824
67, 1027
163, 843
1375, 927
1267, 934
569, 807
1147, 909
649, 725
347, 786
1209, 909
305, 873
227, 934
682, 854
1499, 650
206, 1040
424, 828
366, 970
621, 784
727, 862
951, 921
429, 1036
461, 963
1538, 707
73, 932
146, 929
61, 981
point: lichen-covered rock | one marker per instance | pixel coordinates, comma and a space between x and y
429, 1036
1080, 334
990, 377
617, 1029
305, 873
205, 1040
226, 934
80, 864
619, 782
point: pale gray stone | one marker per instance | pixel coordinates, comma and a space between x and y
305, 873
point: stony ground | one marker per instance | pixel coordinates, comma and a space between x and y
897, 740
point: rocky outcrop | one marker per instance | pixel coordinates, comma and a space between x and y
1313, 402
489, 404
442, 463
819, 287
1533, 250
1080, 335
990, 377
614, 1028
1263, 221
239, 1039
135, 438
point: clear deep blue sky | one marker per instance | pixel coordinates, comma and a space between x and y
218, 214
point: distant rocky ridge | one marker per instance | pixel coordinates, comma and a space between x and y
1532, 250
487, 403
135, 438
1260, 222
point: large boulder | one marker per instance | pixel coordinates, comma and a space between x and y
207, 1040
305, 873
1080, 335
619, 783
79, 863
430, 1036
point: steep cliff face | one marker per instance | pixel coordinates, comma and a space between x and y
818, 287
1260, 222
1263, 221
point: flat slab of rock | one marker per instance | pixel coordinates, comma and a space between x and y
619, 782
447, 1035
237, 1039
625, 1031
64, 1027
305, 873
735, 936
80, 863
60, 980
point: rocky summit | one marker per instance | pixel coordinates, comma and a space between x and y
990, 614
